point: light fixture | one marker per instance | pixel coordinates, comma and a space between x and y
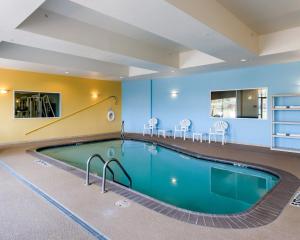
173, 71
174, 93
243, 60
95, 95
67, 72
121, 77
250, 97
3, 91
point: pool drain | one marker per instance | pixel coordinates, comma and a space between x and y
123, 203
296, 200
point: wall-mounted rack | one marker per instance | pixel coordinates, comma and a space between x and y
285, 134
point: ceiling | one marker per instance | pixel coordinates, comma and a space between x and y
265, 16
137, 39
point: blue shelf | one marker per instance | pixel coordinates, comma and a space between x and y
285, 121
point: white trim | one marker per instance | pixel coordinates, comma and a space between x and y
236, 89
291, 150
286, 95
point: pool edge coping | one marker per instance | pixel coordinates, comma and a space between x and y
262, 213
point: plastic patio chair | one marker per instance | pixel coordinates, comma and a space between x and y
219, 129
183, 128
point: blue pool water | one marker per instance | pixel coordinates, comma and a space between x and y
178, 179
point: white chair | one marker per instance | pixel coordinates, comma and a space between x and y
150, 126
219, 129
182, 128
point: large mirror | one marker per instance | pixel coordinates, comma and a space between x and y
243, 103
36, 104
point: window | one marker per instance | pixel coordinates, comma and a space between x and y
246, 103
36, 104
224, 104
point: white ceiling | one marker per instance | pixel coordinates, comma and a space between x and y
89, 16
135, 39
265, 16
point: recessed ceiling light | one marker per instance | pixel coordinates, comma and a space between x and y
121, 77
173, 71
243, 60
67, 72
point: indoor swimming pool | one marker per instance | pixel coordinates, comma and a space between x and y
174, 178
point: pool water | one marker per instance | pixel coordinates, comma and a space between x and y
186, 182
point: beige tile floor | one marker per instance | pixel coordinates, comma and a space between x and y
135, 222
24, 215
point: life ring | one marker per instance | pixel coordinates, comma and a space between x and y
111, 152
110, 115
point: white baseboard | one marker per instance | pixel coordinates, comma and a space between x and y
228, 141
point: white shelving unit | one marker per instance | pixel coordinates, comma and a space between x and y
275, 122
285, 109
286, 122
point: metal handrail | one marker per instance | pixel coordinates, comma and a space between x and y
88, 163
122, 131
104, 173
73, 113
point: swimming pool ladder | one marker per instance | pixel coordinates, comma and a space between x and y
104, 173
88, 163
105, 166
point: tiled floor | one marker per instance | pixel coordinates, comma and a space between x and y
24, 215
138, 222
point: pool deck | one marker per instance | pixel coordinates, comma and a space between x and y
136, 221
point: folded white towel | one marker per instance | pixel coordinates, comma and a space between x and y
295, 134
280, 106
281, 134
294, 106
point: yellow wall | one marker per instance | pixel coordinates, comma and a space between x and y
76, 93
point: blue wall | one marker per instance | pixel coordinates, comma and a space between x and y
193, 100
136, 104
